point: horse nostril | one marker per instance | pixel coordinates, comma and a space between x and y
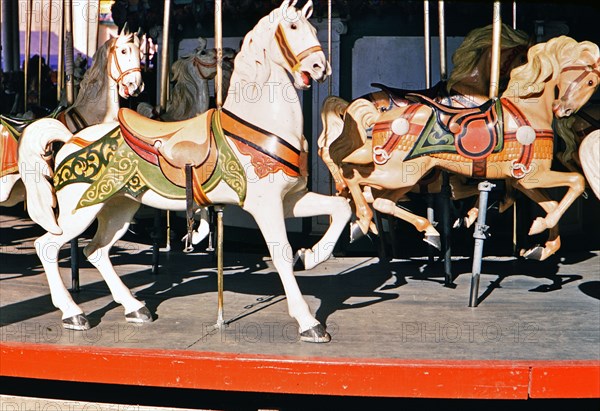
317, 66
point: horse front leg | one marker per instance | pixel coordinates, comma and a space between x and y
309, 204
363, 211
269, 216
113, 222
547, 179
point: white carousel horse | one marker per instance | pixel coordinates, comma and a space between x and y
190, 97
251, 153
408, 142
115, 72
589, 156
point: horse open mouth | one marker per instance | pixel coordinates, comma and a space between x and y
305, 78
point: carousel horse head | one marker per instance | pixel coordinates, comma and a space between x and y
203, 59
573, 66
286, 38
476, 48
124, 63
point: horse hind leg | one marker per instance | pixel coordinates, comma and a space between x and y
308, 204
113, 222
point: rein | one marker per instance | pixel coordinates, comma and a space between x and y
292, 59
112, 56
587, 70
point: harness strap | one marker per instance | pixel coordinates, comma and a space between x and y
112, 56
292, 59
587, 70
521, 166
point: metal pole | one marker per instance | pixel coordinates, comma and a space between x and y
49, 32
220, 321
514, 15
68, 15
329, 48
219, 49
164, 74
479, 235
495, 68
40, 45
60, 69
442, 32
427, 38
29, 12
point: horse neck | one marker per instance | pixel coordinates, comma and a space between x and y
190, 103
537, 108
273, 105
99, 107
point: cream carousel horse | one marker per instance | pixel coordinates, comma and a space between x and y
115, 72
190, 97
589, 155
251, 153
508, 138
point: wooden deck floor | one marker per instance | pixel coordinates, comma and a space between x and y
535, 334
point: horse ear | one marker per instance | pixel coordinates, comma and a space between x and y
125, 29
307, 10
201, 43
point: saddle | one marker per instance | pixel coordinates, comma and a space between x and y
178, 142
476, 130
174, 146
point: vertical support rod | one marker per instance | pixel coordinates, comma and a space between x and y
60, 69
48, 40
427, 40
40, 54
514, 15
68, 15
155, 246
445, 198
220, 320
329, 48
479, 235
164, 86
219, 49
75, 265
442, 33
496, 39
29, 12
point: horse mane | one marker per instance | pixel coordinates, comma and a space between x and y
94, 79
478, 41
251, 63
184, 97
544, 61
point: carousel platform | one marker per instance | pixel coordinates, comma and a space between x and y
396, 330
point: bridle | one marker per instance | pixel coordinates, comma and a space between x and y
586, 71
112, 56
293, 60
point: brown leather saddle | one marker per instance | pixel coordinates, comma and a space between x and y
477, 131
398, 95
174, 145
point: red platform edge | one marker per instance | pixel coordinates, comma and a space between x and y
473, 379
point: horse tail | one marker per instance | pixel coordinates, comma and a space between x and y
589, 154
36, 171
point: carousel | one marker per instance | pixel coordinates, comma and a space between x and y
295, 175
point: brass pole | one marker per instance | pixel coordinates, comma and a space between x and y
219, 49
495, 69
329, 48
164, 74
49, 33
442, 33
220, 320
68, 14
514, 9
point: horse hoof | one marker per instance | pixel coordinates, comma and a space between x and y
433, 240
77, 322
142, 315
534, 254
316, 334
355, 232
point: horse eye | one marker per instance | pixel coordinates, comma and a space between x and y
293, 26
203, 53
123, 51
591, 83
